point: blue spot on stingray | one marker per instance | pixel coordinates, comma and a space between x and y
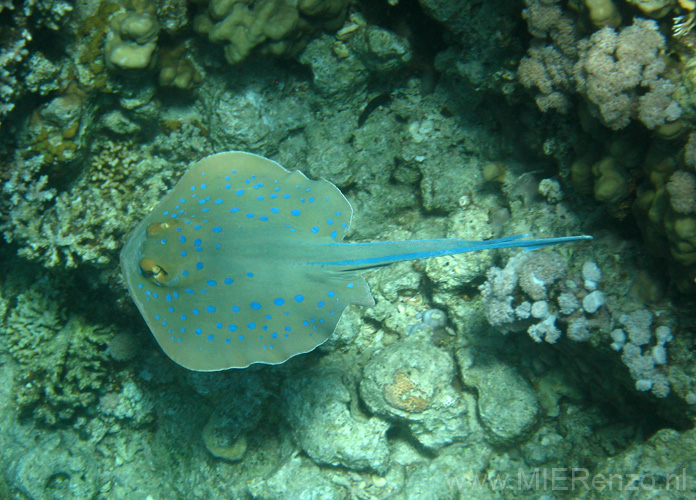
182, 239
287, 329
217, 246
273, 196
299, 298
228, 281
250, 275
217, 229
320, 303
189, 291
183, 254
163, 241
311, 199
210, 309
274, 335
197, 226
240, 192
193, 188
218, 326
334, 234
268, 316
279, 301
182, 200
295, 212
305, 322
234, 210
218, 201
199, 265
249, 216
259, 198
198, 331
211, 283
197, 242
241, 337
227, 186
184, 273
227, 341
168, 297
251, 325
170, 309
329, 222
227, 177
255, 305
235, 309
286, 196
232, 328
275, 210
263, 218
203, 186
315, 229
211, 337
196, 311
331, 293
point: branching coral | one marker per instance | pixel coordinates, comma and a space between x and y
61, 356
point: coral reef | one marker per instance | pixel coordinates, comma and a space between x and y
436, 119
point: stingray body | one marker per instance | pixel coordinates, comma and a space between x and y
242, 263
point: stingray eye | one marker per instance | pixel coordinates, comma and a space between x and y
153, 270
157, 228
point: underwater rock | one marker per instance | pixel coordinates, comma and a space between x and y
663, 466
52, 471
380, 50
319, 410
508, 407
297, 478
409, 382
340, 78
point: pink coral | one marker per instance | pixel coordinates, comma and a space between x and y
620, 74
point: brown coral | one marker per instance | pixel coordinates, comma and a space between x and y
682, 192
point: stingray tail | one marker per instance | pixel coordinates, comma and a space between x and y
361, 256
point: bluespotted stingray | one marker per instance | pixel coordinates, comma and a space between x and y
242, 263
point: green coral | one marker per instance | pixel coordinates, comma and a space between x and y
61, 355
